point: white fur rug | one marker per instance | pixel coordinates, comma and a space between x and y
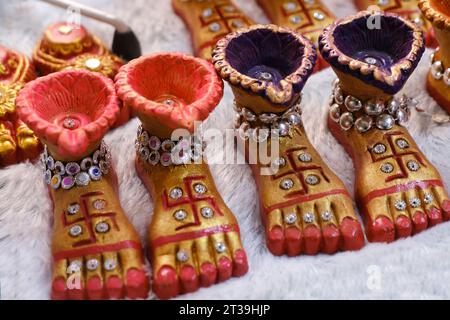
418, 267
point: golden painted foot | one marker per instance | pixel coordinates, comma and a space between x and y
194, 238
397, 189
438, 81
208, 21
8, 145
308, 17
408, 9
28, 143
96, 251
304, 205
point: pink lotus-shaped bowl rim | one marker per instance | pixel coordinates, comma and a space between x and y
79, 86
162, 73
441, 20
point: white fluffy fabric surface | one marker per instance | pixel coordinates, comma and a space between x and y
418, 267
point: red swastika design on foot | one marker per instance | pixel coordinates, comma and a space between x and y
88, 217
193, 200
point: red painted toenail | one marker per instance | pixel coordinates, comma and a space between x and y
77, 292
225, 269
434, 216
166, 283
331, 237
208, 274
59, 289
381, 230
275, 241
352, 234
293, 241
403, 227
240, 263
95, 289
312, 240
189, 279
137, 284
446, 208
420, 222
114, 288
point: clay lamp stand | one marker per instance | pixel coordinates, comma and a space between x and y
193, 237
93, 242
408, 9
438, 82
398, 190
17, 141
304, 205
68, 46
209, 21
308, 17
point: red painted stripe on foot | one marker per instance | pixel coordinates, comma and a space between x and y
194, 235
306, 198
77, 253
401, 188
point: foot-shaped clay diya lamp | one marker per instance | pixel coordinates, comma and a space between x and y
17, 141
408, 9
438, 82
304, 205
308, 17
208, 21
69, 46
398, 190
97, 253
193, 237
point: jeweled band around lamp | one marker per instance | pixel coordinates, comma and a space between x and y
71, 111
397, 189
438, 82
17, 141
69, 46
194, 238
407, 9
304, 206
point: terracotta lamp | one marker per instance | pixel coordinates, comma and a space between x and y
438, 82
304, 206
407, 9
398, 190
17, 141
96, 252
69, 46
308, 17
194, 238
